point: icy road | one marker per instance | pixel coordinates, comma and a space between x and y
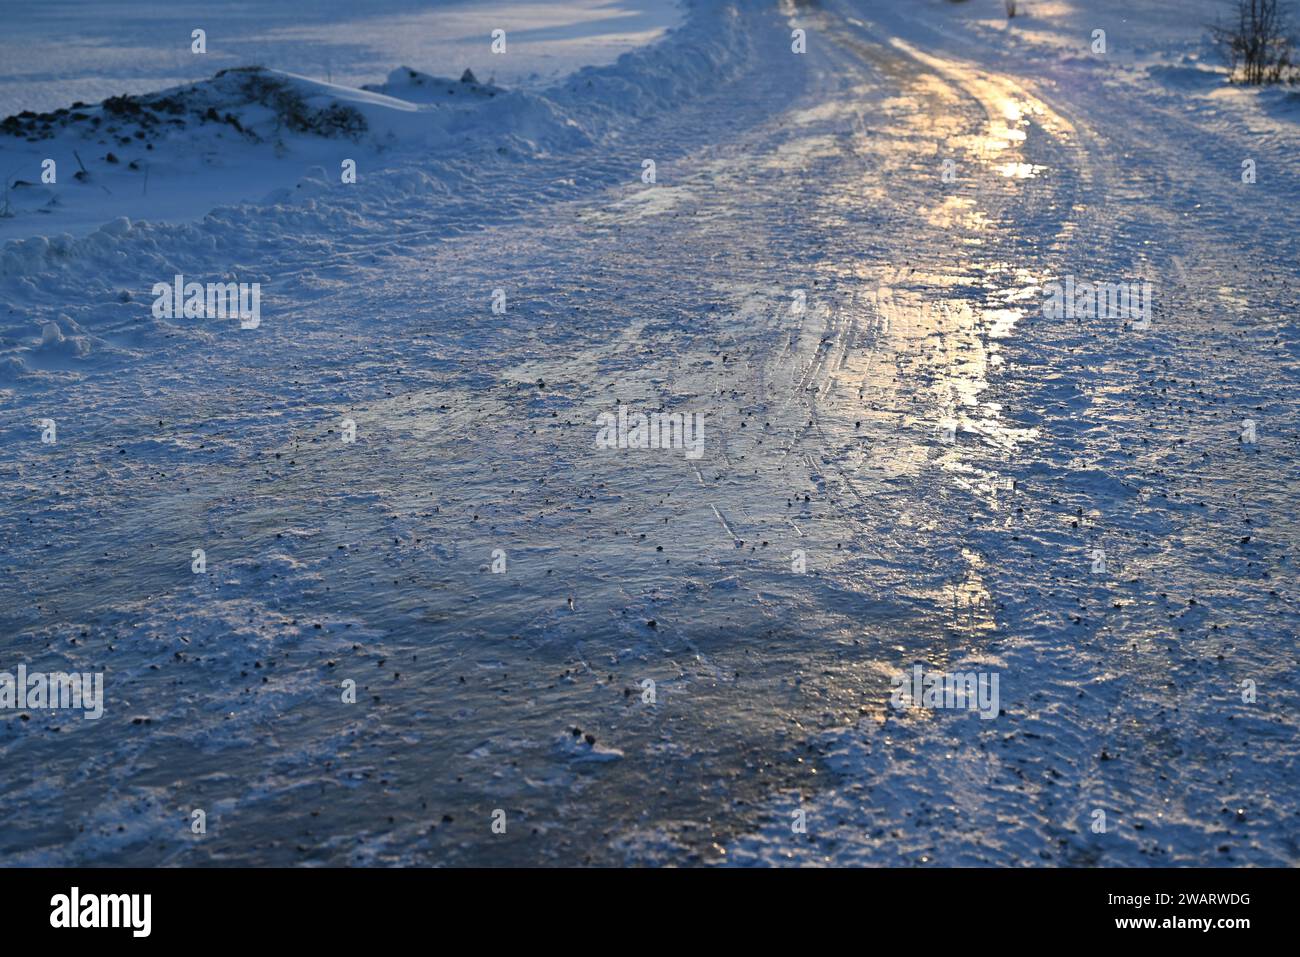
835, 263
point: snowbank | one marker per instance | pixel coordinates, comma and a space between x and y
208, 177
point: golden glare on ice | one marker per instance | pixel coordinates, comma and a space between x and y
1018, 170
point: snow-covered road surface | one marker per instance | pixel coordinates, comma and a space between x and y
944, 460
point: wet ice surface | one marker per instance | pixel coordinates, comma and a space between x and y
824, 432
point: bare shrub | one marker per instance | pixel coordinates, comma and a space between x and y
1256, 45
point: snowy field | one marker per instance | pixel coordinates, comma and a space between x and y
365, 583
60, 51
